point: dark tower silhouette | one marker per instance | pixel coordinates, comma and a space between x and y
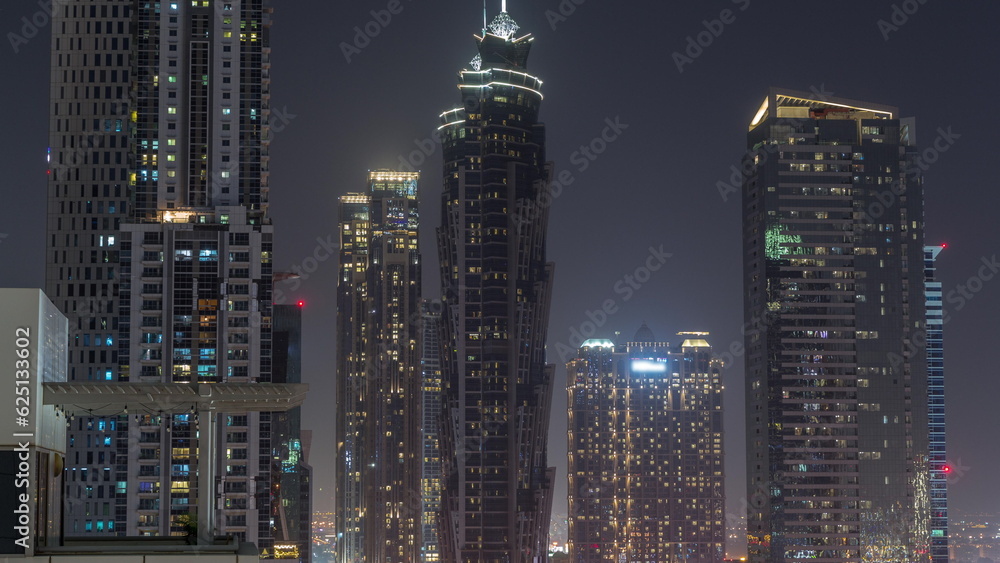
496, 282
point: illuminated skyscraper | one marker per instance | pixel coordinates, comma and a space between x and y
431, 484
160, 250
837, 394
497, 283
379, 441
646, 478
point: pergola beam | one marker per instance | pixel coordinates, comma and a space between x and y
206, 400
106, 399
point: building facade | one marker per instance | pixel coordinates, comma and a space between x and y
837, 419
430, 365
291, 486
496, 287
90, 162
379, 441
646, 473
160, 249
33, 440
939, 468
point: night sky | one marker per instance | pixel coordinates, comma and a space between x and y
655, 186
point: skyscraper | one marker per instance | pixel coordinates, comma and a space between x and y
158, 218
34, 435
938, 466
430, 365
90, 159
837, 420
379, 441
290, 472
646, 478
496, 287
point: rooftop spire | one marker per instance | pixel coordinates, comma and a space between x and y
644, 334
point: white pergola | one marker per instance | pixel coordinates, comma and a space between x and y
204, 399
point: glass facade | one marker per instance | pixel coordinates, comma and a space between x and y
939, 468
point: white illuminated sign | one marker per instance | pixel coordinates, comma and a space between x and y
648, 366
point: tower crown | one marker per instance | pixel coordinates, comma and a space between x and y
499, 46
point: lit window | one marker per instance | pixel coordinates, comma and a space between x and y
171, 79
171, 142
226, 111
172, 110
225, 173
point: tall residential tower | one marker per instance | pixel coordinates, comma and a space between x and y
646, 478
496, 290
160, 251
837, 410
379, 441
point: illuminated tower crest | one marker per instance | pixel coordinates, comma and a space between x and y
504, 26
499, 45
